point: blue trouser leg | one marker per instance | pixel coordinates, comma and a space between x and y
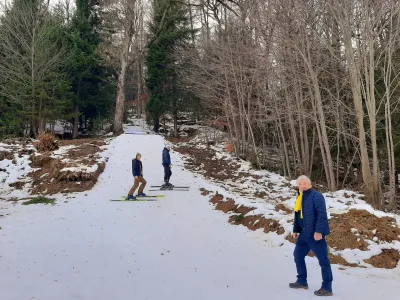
167, 173
300, 252
320, 249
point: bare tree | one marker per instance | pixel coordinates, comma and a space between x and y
129, 14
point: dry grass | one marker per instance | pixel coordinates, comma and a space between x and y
47, 142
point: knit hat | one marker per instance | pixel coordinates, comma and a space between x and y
167, 145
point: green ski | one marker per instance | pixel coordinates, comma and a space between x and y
137, 200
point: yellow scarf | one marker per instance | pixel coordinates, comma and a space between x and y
297, 206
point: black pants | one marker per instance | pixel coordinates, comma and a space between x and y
167, 173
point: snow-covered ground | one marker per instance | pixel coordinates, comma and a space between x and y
13, 169
175, 248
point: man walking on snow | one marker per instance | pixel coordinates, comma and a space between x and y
310, 228
137, 172
166, 162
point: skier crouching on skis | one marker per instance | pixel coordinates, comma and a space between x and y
137, 171
166, 162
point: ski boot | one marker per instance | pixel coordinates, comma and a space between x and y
131, 198
141, 195
166, 186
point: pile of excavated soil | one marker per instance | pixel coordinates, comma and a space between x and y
388, 259
52, 179
351, 229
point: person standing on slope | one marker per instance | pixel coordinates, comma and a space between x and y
166, 162
310, 228
137, 172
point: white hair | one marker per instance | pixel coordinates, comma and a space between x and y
303, 177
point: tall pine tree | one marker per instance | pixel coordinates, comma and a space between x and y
170, 29
33, 82
89, 75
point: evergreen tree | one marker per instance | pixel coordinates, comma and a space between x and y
89, 75
33, 82
170, 29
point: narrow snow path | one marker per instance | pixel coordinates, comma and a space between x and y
171, 249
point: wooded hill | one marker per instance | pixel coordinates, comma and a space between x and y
316, 81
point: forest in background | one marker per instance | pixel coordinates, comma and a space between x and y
315, 81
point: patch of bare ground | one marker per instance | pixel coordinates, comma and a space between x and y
260, 195
253, 222
6, 155
179, 139
18, 185
204, 192
212, 167
350, 230
69, 172
283, 207
388, 259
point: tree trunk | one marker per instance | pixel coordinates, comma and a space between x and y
120, 103
191, 20
156, 125
175, 123
76, 122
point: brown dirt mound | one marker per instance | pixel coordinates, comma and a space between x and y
216, 198
283, 207
56, 181
241, 209
6, 155
85, 150
226, 206
18, 185
214, 168
229, 205
256, 222
204, 192
179, 139
39, 161
252, 222
51, 180
388, 259
342, 236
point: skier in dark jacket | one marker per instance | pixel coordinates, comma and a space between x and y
166, 162
137, 172
310, 228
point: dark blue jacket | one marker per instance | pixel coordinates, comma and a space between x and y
315, 218
166, 158
137, 167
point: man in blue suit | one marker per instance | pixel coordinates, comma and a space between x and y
166, 162
310, 229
